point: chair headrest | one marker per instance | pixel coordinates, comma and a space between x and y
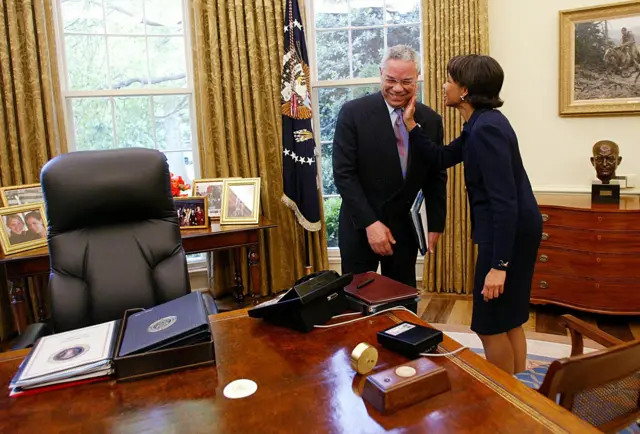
94, 188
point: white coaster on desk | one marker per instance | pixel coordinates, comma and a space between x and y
240, 389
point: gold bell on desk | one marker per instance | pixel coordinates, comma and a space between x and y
364, 358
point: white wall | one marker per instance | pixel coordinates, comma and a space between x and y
524, 39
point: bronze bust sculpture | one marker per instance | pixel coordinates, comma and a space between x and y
606, 158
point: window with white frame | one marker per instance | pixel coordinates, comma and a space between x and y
126, 77
347, 41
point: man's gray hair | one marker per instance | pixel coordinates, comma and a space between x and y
401, 52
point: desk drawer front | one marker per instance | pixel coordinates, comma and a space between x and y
623, 221
593, 241
579, 263
588, 294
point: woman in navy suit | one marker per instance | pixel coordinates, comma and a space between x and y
506, 222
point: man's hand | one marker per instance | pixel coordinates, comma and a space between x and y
494, 284
433, 238
380, 239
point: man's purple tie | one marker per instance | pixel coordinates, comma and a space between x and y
402, 139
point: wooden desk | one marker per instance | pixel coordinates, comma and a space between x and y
305, 385
36, 262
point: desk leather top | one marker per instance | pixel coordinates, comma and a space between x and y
305, 385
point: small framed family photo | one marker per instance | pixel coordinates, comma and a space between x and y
24, 227
241, 201
192, 212
212, 189
21, 194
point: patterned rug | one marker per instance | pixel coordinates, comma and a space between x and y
542, 348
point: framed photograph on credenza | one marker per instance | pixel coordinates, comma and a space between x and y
212, 189
240, 201
24, 227
192, 212
14, 195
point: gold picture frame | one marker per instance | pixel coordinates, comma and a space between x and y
187, 210
240, 202
10, 195
214, 188
596, 73
32, 230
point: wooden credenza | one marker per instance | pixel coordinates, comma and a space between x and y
589, 257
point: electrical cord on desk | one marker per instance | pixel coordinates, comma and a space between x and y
378, 313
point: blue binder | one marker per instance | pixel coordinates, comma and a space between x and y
182, 321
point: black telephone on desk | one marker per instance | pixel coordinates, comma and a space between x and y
313, 300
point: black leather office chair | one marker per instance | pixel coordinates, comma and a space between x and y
114, 238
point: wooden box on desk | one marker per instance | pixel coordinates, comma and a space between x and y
401, 386
138, 366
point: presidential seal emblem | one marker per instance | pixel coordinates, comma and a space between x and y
162, 324
68, 353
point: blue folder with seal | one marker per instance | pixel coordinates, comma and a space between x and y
183, 321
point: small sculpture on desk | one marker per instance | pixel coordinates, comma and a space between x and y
606, 158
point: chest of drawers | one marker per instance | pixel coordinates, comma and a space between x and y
589, 256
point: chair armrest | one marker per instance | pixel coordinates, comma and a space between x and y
31, 335
209, 304
579, 328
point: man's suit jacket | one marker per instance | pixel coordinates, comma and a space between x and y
503, 205
367, 171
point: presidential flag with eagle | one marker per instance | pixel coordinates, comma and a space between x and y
299, 168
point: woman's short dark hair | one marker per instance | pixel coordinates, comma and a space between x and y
481, 75
34, 214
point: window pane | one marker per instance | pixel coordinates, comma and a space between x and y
128, 62
331, 214
133, 122
402, 11
124, 16
196, 257
407, 35
328, 186
360, 91
366, 12
368, 47
331, 13
181, 164
93, 125
173, 122
330, 100
86, 62
163, 17
167, 61
333, 55
82, 16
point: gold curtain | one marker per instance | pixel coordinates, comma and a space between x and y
31, 119
450, 28
237, 49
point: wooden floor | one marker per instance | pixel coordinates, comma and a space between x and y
456, 310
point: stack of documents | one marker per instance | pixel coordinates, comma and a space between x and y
179, 322
68, 358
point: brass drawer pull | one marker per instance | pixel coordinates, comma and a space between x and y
545, 217
544, 284
544, 258
545, 236
599, 218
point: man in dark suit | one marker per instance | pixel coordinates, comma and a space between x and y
378, 177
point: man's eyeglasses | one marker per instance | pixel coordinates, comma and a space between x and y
404, 83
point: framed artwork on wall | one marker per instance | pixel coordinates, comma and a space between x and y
241, 201
21, 194
192, 212
24, 227
600, 60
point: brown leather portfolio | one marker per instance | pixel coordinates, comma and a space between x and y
373, 288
